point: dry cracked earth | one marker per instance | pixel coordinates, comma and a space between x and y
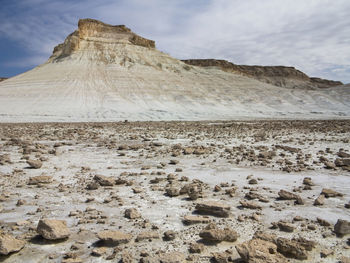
254, 191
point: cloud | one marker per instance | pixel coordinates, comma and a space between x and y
313, 35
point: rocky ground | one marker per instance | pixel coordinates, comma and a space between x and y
257, 191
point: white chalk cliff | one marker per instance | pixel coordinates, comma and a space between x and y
108, 73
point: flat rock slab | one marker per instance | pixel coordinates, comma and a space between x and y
41, 179
114, 237
213, 208
192, 219
9, 244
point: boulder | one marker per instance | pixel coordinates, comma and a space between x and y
9, 244
53, 229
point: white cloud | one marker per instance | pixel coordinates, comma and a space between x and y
312, 35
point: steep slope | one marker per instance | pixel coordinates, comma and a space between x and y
107, 73
288, 77
2, 79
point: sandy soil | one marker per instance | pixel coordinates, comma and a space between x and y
144, 159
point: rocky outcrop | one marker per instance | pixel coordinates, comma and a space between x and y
98, 34
281, 76
2, 79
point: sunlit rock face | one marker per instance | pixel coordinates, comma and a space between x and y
108, 73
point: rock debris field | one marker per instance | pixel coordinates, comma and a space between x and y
249, 191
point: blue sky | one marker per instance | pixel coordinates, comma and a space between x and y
312, 35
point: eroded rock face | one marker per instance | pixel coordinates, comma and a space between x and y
281, 76
53, 229
9, 244
100, 33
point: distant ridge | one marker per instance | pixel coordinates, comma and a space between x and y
281, 76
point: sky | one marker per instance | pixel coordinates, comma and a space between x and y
311, 35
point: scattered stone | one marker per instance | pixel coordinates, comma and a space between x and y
249, 204
319, 200
291, 248
35, 164
192, 219
99, 251
132, 213
53, 229
172, 257
213, 208
104, 180
172, 191
9, 244
259, 251
169, 235
196, 248
330, 193
41, 179
285, 227
342, 227
212, 233
149, 235
285, 195
113, 238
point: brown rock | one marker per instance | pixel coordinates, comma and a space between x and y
104, 180
112, 238
330, 193
212, 233
53, 229
172, 257
36, 164
196, 248
291, 248
149, 235
342, 227
191, 219
41, 179
132, 213
259, 251
285, 195
9, 244
319, 200
213, 208
169, 235
249, 204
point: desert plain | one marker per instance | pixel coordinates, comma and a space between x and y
211, 191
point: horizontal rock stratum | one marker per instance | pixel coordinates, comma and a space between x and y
108, 73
